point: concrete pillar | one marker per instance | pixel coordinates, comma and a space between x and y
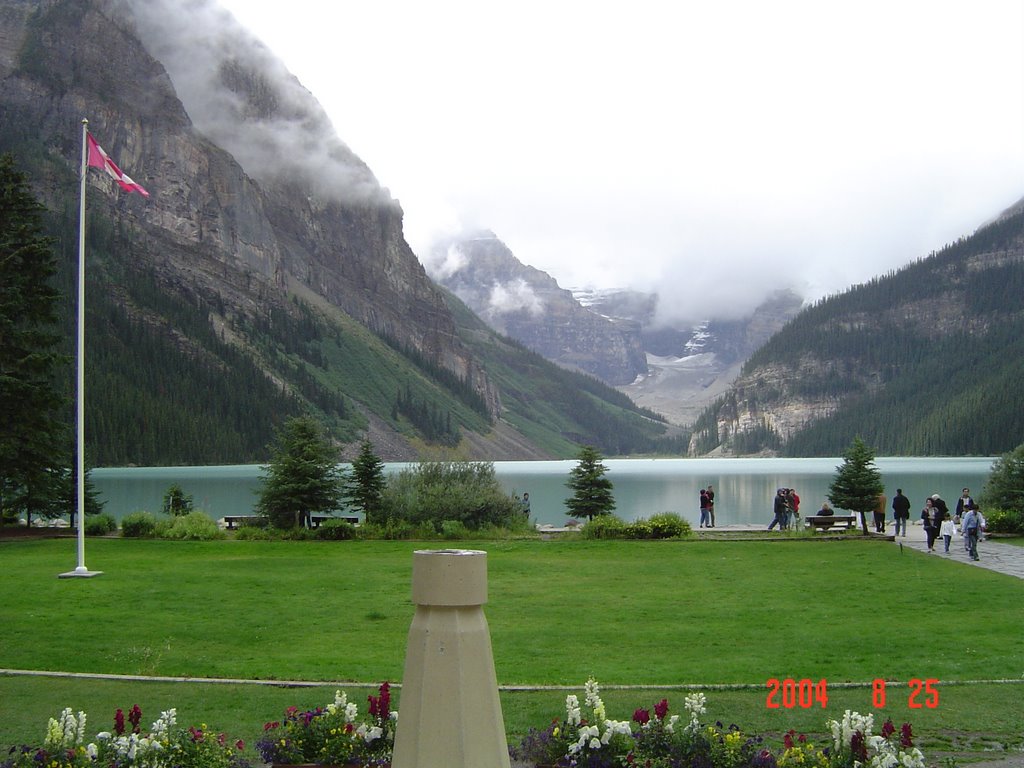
449, 714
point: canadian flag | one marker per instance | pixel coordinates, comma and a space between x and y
99, 159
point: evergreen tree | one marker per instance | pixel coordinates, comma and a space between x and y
366, 485
1004, 488
592, 491
176, 501
303, 477
69, 496
34, 442
857, 482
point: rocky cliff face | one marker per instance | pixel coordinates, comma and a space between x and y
254, 199
689, 368
529, 306
914, 362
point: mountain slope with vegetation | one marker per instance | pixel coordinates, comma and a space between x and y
244, 290
923, 361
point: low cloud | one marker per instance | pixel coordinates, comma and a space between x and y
442, 263
243, 98
513, 296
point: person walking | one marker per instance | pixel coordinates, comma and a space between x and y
947, 530
972, 528
900, 512
964, 502
930, 518
711, 505
879, 513
779, 509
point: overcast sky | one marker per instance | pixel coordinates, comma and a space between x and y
712, 150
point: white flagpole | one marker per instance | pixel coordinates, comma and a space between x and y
81, 570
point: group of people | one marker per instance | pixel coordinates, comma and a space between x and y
966, 520
786, 508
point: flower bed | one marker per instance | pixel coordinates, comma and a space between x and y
668, 741
585, 737
332, 735
126, 746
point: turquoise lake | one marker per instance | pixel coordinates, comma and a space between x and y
744, 488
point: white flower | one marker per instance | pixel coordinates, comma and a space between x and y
572, 710
695, 703
103, 735
351, 712
595, 743
165, 723
92, 751
593, 699
80, 733
369, 734
912, 759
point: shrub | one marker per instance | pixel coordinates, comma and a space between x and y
454, 529
667, 525
100, 525
195, 526
138, 525
1004, 488
294, 534
1002, 521
396, 530
335, 530
435, 491
605, 527
253, 533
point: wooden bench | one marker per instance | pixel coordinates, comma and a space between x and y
230, 521
824, 522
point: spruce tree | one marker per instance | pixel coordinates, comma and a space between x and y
857, 482
592, 491
34, 443
303, 477
366, 484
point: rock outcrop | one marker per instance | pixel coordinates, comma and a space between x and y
529, 306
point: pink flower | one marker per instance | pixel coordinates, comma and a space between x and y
661, 709
859, 747
642, 716
119, 722
888, 729
135, 717
380, 706
906, 737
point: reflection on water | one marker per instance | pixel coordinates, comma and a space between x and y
744, 488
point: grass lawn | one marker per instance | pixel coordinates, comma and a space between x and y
626, 613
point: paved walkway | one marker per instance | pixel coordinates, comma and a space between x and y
1004, 558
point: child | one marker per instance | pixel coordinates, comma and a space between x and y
946, 530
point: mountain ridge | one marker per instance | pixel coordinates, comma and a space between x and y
226, 302
924, 360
